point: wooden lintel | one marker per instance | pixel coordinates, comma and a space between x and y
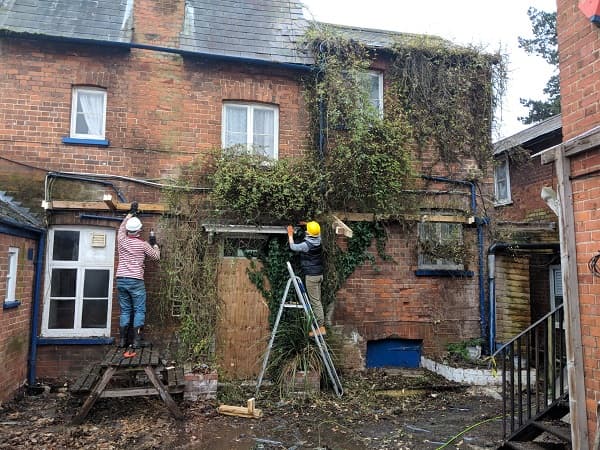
366, 217
341, 228
105, 205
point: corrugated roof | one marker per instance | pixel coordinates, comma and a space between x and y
538, 130
14, 212
98, 20
268, 30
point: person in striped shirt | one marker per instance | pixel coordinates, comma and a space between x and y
132, 250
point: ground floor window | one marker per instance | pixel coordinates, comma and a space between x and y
78, 282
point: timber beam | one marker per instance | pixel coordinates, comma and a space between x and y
108, 203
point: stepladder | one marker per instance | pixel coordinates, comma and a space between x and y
301, 302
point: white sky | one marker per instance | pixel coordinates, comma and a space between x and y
491, 25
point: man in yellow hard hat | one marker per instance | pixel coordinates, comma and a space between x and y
311, 261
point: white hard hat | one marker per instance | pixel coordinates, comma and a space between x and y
133, 224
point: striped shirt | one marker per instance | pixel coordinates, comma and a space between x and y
132, 254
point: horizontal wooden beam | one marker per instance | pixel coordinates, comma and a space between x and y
367, 217
108, 204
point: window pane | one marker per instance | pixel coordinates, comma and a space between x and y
264, 131
236, 126
94, 313
80, 124
96, 284
66, 246
62, 314
90, 112
374, 90
63, 282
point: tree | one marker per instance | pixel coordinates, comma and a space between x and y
544, 44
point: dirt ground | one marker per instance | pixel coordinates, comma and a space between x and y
408, 409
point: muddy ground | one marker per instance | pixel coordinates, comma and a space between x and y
409, 409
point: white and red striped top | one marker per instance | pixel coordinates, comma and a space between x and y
132, 254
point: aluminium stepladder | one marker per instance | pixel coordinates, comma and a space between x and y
303, 303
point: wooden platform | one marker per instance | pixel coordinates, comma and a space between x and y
119, 376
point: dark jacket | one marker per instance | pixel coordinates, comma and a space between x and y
311, 255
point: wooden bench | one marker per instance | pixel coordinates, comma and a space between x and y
114, 367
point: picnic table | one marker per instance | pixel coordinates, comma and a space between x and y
119, 376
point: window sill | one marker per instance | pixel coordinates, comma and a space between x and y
78, 141
506, 203
76, 341
444, 273
10, 304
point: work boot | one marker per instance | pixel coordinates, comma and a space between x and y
138, 339
123, 336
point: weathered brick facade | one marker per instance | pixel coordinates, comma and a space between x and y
15, 323
164, 109
579, 47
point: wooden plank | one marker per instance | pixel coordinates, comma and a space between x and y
158, 208
164, 395
341, 228
128, 392
568, 259
108, 200
367, 217
240, 411
91, 399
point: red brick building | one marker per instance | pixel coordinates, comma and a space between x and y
21, 245
576, 162
116, 103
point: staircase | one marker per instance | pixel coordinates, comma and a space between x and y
534, 385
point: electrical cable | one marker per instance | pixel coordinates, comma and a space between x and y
593, 264
453, 438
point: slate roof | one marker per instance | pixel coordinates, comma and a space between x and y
268, 30
13, 212
98, 20
529, 135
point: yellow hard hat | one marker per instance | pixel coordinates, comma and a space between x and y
313, 228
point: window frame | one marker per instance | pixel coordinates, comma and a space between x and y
250, 108
439, 265
11, 275
81, 265
379, 75
76, 91
503, 161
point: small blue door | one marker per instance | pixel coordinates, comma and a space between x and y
394, 353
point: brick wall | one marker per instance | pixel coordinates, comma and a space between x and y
387, 300
15, 322
579, 47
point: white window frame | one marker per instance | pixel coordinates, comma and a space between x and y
250, 108
379, 76
81, 265
502, 162
74, 112
440, 263
11, 275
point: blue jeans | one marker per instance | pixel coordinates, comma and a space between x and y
132, 297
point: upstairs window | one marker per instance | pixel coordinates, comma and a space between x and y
11, 275
88, 113
373, 82
441, 246
502, 182
253, 127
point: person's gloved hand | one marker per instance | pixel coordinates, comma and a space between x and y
290, 231
152, 240
134, 208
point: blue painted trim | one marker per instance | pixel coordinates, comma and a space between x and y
444, 273
595, 20
11, 304
76, 341
13, 228
35, 310
77, 141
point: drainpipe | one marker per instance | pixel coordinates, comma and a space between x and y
480, 222
499, 246
39, 264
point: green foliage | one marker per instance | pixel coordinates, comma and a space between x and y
448, 95
459, 349
256, 190
544, 44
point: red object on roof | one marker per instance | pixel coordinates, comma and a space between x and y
591, 9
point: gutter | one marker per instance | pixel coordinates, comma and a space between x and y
480, 222
501, 246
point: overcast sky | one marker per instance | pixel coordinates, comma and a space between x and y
492, 25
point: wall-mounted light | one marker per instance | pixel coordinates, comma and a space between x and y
591, 9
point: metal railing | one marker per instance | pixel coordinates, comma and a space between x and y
533, 366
